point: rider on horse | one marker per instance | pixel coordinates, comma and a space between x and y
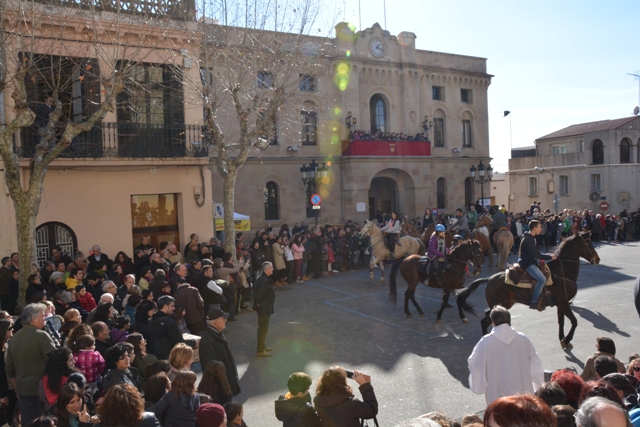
392, 230
437, 251
528, 259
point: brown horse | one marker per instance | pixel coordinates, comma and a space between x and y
483, 221
410, 230
564, 272
452, 278
504, 242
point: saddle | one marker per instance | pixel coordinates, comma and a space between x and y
516, 276
423, 265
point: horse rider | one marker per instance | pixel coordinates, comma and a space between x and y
392, 230
498, 220
528, 259
472, 217
462, 226
437, 251
457, 239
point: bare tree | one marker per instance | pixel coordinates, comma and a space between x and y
252, 58
52, 53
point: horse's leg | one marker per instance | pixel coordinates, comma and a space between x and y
445, 297
407, 295
381, 265
415, 303
565, 308
461, 312
374, 260
485, 323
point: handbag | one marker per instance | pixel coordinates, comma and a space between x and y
364, 423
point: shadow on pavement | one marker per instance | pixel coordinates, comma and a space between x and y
599, 321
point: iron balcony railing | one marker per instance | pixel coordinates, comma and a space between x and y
183, 10
126, 140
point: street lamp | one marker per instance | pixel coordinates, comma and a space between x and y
313, 175
350, 121
481, 179
426, 124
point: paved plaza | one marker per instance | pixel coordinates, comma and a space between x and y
417, 365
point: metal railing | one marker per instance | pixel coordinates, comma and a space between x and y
125, 140
183, 10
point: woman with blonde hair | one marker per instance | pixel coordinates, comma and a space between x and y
180, 358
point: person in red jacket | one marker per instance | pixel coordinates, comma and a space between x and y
85, 298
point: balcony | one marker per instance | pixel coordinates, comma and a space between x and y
126, 140
386, 148
182, 10
555, 160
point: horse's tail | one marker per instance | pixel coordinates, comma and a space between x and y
393, 291
466, 292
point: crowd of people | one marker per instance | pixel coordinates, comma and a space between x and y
112, 341
366, 135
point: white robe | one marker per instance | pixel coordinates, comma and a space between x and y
504, 363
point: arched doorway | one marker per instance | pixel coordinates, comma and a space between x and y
51, 234
392, 190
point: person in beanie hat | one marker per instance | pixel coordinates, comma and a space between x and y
211, 415
294, 409
214, 346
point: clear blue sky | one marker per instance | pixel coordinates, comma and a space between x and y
556, 63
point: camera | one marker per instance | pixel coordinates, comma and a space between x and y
349, 373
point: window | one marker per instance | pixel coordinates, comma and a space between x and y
307, 83
533, 186
309, 117
558, 149
466, 133
596, 182
625, 151
156, 216
438, 132
265, 80
441, 189
271, 202
469, 196
378, 112
438, 93
597, 152
564, 185
466, 96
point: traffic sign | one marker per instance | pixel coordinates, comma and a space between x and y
604, 205
316, 206
316, 199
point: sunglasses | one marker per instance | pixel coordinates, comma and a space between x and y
636, 368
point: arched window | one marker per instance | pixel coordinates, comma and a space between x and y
52, 234
597, 152
378, 110
469, 197
625, 151
441, 188
309, 117
271, 202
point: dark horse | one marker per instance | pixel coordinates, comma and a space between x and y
564, 272
452, 278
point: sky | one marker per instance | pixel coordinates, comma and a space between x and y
555, 63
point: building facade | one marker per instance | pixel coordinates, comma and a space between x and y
585, 166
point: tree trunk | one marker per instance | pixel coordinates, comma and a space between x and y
26, 213
229, 188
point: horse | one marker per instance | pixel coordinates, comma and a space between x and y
564, 272
405, 245
504, 242
410, 230
482, 236
452, 278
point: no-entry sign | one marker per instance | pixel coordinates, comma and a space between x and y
316, 199
604, 205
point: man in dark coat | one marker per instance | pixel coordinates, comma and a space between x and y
163, 329
214, 346
263, 301
636, 292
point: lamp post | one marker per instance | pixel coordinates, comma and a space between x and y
313, 175
481, 179
426, 124
350, 122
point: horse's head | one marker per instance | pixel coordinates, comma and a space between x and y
476, 253
366, 230
483, 221
589, 252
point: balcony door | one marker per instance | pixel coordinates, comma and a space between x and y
156, 216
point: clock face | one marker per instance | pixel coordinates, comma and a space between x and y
377, 48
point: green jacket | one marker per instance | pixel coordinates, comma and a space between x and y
27, 357
472, 216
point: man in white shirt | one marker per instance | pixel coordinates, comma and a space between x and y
504, 362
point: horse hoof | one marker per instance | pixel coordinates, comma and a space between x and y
409, 316
422, 315
465, 320
439, 322
566, 346
381, 279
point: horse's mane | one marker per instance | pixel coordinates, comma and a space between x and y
567, 242
461, 246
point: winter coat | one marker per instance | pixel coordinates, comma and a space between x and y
119, 376
148, 420
189, 298
263, 296
345, 410
214, 346
164, 335
296, 412
278, 257
177, 410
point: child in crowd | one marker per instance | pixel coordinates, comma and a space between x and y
234, 414
85, 298
120, 331
294, 408
178, 407
88, 360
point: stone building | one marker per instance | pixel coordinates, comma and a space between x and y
598, 159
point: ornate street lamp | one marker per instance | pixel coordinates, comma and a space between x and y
313, 176
481, 178
350, 121
426, 124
